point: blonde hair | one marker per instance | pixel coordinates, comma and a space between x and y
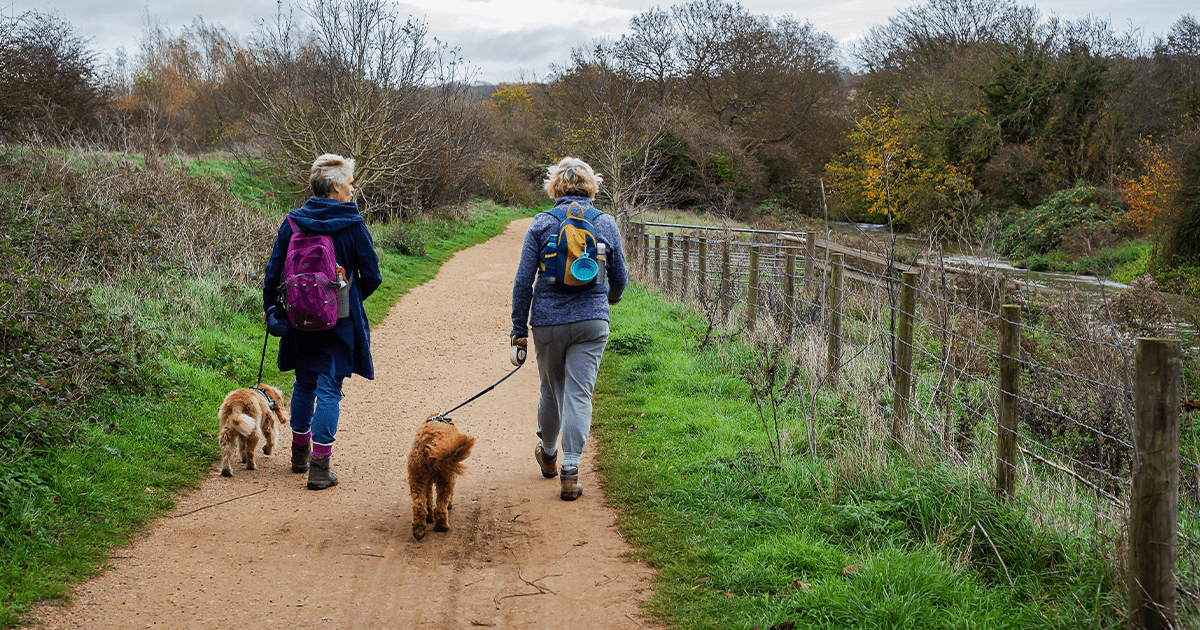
571, 176
327, 170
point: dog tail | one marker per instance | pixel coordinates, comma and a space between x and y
448, 452
241, 424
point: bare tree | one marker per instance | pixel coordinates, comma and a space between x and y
357, 79
616, 125
649, 51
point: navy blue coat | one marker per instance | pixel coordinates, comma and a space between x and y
347, 346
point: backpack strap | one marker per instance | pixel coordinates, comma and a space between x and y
562, 212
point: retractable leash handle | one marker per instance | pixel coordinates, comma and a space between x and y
516, 353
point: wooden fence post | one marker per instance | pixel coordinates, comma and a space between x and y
1010, 374
1154, 500
685, 244
725, 278
702, 260
646, 254
810, 259
752, 289
670, 271
904, 355
638, 230
658, 259
836, 262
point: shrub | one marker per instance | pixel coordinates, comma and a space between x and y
407, 241
1084, 208
1141, 310
73, 227
630, 343
507, 183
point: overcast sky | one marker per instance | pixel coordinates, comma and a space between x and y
509, 39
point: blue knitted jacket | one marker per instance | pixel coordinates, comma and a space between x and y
550, 306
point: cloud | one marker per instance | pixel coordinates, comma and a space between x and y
503, 37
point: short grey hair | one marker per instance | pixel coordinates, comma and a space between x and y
571, 176
327, 170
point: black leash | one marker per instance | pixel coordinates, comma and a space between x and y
261, 363
441, 417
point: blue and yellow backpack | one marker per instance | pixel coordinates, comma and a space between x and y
574, 259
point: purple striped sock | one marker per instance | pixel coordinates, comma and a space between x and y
321, 451
301, 439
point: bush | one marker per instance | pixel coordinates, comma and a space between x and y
1085, 209
507, 183
76, 227
1141, 310
630, 343
407, 241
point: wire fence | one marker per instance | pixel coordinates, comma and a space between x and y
1058, 437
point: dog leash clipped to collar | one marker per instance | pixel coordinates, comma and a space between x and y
261, 363
270, 401
441, 417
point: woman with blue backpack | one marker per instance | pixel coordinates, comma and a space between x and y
321, 269
572, 269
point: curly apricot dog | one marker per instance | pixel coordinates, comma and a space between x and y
245, 416
436, 459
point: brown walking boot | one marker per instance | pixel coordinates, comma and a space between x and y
300, 457
571, 489
319, 475
548, 464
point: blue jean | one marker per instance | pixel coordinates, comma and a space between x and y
325, 390
568, 357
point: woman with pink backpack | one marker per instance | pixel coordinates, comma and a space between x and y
321, 269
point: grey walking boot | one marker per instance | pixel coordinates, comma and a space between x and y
300, 457
571, 489
548, 464
319, 475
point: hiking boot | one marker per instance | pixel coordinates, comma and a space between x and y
300, 457
571, 489
548, 464
319, 475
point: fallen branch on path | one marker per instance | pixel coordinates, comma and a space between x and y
541, 590
219, 503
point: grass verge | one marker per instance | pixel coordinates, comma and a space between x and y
743, 542
64, 503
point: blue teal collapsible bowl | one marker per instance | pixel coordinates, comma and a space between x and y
584, 269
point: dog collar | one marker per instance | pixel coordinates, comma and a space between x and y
440, 419
270, 401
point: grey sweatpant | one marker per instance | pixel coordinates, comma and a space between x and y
568, 357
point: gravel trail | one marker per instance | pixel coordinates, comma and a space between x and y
258, 550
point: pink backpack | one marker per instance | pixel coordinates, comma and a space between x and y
309, 281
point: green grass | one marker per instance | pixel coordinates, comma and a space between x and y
1117, 262
742, 543
63, 509
248, 182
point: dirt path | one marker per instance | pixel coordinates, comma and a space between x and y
277, 555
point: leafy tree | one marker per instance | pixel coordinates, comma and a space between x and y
890, 173
1181, 233
49, 79
1151, 190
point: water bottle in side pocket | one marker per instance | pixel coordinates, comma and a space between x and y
343, 293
